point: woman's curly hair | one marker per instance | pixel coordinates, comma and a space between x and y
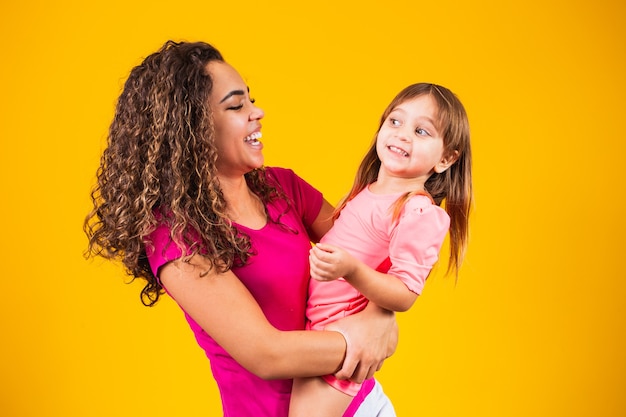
160, 162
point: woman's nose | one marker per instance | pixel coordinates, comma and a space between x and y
257, 113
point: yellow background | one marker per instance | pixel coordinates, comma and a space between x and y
535, 325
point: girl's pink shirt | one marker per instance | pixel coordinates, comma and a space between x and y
367, 231
407, 248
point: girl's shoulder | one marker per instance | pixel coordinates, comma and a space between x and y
424, 218
421, 200
423, 204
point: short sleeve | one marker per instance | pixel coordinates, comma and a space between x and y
160, 248
306, 199
416, 241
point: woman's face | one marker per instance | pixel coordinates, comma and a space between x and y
236, 120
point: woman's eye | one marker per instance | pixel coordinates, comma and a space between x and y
240, 106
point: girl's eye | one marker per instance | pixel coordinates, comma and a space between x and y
394, 122
421, 132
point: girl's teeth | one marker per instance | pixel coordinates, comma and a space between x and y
398, 150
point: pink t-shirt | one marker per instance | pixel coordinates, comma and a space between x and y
277, 275
366, 230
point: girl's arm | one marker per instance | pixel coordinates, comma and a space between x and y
371, 334
330, 262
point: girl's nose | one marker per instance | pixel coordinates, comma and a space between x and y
403, 135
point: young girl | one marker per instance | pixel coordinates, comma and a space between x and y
390, 228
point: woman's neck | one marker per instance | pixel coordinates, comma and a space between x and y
242, 205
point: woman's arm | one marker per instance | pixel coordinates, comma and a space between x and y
323, 222
224, 308
330, 262
371, 336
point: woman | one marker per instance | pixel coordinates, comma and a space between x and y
184, 201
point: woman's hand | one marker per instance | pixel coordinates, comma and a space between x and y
371, 337
330, 262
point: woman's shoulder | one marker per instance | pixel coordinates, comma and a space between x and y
279, 174
285, 178
303, 195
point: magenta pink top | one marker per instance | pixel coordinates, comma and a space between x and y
277, 276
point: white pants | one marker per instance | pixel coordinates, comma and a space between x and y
376, 404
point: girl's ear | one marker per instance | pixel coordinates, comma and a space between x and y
447, 161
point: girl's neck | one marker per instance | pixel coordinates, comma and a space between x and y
395, 185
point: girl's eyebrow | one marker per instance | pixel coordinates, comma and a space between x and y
426, 118
234, 93
429, 120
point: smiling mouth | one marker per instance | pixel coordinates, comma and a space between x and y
253, 139
398, 151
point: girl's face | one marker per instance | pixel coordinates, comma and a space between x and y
236, 120
409, 145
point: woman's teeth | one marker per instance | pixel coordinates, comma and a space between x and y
253, 138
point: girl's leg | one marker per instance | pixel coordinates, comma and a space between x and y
313, 397
373, 403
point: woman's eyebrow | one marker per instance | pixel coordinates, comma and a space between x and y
234, 93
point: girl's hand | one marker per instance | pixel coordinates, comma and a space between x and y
330, 262
371, 337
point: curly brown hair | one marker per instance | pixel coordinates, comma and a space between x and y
160, 160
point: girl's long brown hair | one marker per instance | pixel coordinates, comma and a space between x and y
160, 158
453, 187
